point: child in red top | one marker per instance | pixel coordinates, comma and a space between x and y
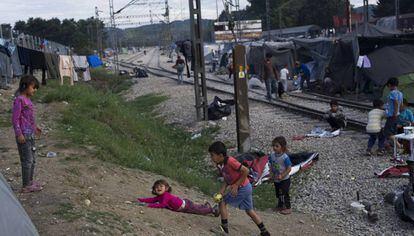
240, 189
164, 199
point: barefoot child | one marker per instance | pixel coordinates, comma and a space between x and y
281, 166
25, 129
240, 189
164, 199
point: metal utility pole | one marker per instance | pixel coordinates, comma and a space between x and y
242, 99
113, 36
167, 22
348, 16
200, 87
397, 14
217, 11
268, 19
98, 32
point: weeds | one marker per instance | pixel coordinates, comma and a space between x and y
130, 133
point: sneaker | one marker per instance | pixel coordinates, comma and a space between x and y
31, 188
39, 184
219, 231
286, 211
368, 153
265, 233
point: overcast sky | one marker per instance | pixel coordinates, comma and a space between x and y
14, 10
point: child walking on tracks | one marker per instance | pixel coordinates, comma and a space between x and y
281, 166
240, 189
25, 129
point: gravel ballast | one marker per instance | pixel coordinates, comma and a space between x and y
329, 187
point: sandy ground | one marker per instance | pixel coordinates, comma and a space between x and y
76, 175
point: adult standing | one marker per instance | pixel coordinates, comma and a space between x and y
270, 76
304, 72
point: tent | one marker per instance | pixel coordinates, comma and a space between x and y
13, 218
94, 61
406, 86
392, 61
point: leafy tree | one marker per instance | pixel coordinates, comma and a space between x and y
81, 35
387, 7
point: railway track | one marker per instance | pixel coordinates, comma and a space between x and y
298, 103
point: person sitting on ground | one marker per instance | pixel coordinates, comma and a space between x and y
281, 166
237, 184
335, 116
164, 199
405, 118
392, 110
374, 127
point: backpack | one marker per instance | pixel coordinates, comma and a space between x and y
219, 108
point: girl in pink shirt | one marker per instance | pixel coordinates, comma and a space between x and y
25, 129
164, 199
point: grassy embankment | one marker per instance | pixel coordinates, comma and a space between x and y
131, 134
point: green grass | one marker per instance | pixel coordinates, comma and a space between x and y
130, 133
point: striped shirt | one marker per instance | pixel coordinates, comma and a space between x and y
375, 117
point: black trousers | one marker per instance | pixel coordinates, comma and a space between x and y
282, 193
336, 123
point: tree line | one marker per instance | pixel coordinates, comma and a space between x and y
82, 35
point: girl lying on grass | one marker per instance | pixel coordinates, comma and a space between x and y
164, 199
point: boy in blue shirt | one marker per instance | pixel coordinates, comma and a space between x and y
392, 109
281, 166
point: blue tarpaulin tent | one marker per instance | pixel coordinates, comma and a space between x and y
94, 61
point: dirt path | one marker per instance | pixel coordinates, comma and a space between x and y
76, 175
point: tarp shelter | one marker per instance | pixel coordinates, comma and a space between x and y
392, 61
94, 61
282, 53
318, 50
13, 218
406, 86
342, 64
6, 71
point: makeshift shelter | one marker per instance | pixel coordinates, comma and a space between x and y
6, 72
282, 52
94, 61
305, 31
13, 218
388, 62
318, 50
